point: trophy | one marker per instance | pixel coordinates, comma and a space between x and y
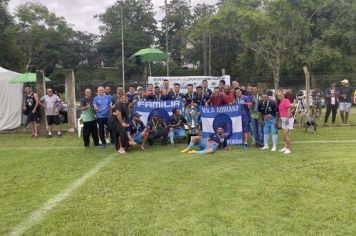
193, 116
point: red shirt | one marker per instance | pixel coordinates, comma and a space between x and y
217, 100
228, 98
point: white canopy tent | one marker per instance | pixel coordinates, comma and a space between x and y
10, 101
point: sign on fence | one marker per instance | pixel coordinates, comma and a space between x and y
185, 80
164, 109
228, 116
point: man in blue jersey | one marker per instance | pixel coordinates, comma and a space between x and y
137, 131
213, 143
245, 103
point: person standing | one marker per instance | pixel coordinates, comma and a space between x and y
116, 98
216, 98
345, 98
189, 96
102, 107
52, 104
176, 94
255, 121
157, 96
206, 91
285, 114
89, 119
245, 104
267, 114
32, 110
331, 99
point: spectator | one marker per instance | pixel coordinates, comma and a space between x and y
245, 104
199, 98
52, 104
137, 130
102, 107
267, 114
345, 98
235, 84
89, 120
150, 90
285, 113
331, 99
165, 91
156, 128
32, 110
222, 85
255, 121
216, 98
176, 125
131, 93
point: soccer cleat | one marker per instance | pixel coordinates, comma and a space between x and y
283, 149
264, 148
287, 151
192, 152
185, 150
274, 149
245, 146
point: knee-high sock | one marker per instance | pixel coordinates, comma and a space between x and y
191, 144
202, 152
274, 140
265, 139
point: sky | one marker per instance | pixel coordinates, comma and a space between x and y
80, 13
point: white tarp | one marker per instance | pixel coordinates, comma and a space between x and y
213, 81
10, 101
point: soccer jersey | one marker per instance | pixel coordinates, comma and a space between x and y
136, 127
173, 120
89, 113
245, 111
219, 139
103, 105
267, 109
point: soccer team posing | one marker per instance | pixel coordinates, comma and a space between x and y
107, 115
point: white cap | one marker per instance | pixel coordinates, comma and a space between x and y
138, 88
345, 81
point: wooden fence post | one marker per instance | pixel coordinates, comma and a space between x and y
71, 101
41, 91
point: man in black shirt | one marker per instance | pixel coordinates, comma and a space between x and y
157, 129
345, 98
176, 94
331, 99
267, 114
32, 110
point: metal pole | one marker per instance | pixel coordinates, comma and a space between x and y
122, 45
167, 51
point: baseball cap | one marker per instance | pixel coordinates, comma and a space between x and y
136, 114
344, 81
155, 113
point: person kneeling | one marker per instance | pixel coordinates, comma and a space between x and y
176, 125
210, 145
137, 131
156, 129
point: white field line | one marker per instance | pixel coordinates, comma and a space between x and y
38, 148
39, 214
326, 141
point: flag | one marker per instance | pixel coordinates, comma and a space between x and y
228, 117
164, 109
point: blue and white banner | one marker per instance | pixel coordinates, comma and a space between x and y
164, 109
228, 116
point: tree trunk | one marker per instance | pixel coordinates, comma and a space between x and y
276, 72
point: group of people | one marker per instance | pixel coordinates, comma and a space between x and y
111, 118
115, 117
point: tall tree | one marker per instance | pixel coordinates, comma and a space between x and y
178, 18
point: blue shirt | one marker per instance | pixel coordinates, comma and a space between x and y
136, 127
219, 139
103, 104
245, 111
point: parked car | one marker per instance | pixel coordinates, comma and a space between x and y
63, 113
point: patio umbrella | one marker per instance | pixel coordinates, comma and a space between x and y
26, 78
149, 55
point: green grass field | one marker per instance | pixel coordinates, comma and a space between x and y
162, 192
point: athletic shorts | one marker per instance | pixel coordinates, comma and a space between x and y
345, 106
137, 137
34, 117
214, 146
245, 126
290, 123
53, 120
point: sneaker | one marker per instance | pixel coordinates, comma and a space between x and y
59, 134
245, 146
274, 149
185, 150
287, 151
283, 149
192, 152
264, 148
121, 151
49, 136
